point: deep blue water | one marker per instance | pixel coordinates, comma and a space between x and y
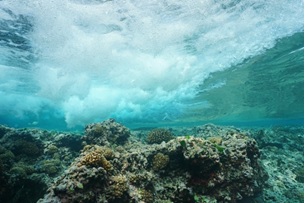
64, 64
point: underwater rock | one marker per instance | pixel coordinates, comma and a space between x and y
283, 163
96, 156
82, 181
3, 130
118, 188
160, 161
71, 141
29, 160
23, 143
157, 136
27, 148
106, 133
51, 166
203, 164
184, 169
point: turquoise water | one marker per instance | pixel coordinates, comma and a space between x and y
64, 64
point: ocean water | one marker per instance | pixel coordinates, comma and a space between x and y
67, 63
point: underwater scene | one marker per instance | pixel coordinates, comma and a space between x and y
159, 101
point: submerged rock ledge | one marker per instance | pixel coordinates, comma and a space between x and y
115, 165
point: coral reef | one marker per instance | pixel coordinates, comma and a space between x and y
29, 160
96, 156
157, 136
89, 170
118, 187
282, 152
26, 148
184, 169
106, 133
51, 166
160, 161
110, 164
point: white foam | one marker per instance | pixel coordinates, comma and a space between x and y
139, 59
18, 105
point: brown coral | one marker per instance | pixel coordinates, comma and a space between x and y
97, 158
146, 196
118, 186
157, 136
160, 161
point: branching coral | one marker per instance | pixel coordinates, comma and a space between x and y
97, 157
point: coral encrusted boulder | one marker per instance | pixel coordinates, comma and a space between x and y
106, 133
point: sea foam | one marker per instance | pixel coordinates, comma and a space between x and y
136, 60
